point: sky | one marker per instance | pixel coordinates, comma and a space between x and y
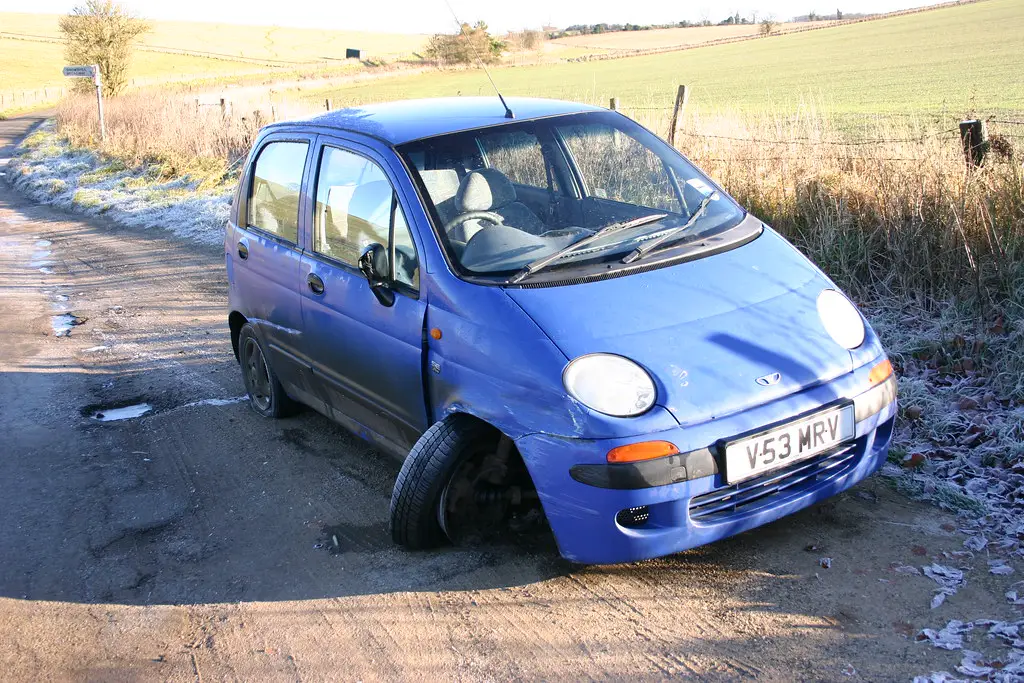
432, 16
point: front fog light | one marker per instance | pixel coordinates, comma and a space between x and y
841, 319
610, 384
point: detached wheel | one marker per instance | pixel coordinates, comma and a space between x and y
266, 395
458, 483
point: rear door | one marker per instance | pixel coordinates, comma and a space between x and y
264, 251
367, 357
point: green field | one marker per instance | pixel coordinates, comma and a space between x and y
956, 60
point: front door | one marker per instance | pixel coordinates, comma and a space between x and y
367, 357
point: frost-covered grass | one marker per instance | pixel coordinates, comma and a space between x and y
47, 167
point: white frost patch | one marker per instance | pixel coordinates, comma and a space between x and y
94, 349
51, 173
40, 264
217, 401
43, 243
63, 323
999, 567
949, 638
46, 271
949, 581
126, 413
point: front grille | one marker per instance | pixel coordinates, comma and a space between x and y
763, 491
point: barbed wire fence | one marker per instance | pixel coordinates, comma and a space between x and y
970, 134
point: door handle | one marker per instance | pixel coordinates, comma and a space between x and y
316, 285
243, 251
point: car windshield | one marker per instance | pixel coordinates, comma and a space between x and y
508, 196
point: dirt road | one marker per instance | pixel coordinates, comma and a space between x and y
197, 542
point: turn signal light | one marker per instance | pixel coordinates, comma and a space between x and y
645, 450
880, 372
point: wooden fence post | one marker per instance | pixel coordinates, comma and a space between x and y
974, 135
682, 95
223, 108
613, 104
327, 104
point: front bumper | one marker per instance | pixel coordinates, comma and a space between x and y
684, 499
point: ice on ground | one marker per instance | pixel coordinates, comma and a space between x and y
46, 271
43, 243
63, 323
94, 349
52, 174
40, 264
217, 401
125, 413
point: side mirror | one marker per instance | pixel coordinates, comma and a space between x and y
373, 264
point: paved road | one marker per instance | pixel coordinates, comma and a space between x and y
201, 542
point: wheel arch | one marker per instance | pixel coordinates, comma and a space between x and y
235, 322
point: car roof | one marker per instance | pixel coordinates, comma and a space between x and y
406, 120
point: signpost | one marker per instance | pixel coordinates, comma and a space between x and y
93, 72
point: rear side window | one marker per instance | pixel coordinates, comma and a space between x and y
276, 184
356, 206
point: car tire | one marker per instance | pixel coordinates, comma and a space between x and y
425, 474
266, 395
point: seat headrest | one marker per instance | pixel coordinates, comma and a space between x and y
485, 189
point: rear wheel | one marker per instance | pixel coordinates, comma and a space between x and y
266, 395
462, 481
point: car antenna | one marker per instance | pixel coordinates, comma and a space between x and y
462, 31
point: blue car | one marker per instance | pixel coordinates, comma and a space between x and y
547, 313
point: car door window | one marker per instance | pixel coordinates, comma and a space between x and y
618, 167
274, 195
356, 206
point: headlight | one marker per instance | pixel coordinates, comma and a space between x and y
841, 319
610, 384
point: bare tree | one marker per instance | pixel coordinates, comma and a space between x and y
769, 26
102, 32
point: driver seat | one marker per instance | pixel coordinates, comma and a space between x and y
488, 189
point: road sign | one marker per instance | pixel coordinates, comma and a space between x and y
80, 71
91, 71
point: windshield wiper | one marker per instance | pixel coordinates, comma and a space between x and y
542, 262
644, 249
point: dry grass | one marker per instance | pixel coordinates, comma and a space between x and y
170, 134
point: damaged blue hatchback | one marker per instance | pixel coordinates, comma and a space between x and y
547, 312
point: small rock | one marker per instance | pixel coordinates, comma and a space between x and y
825, 562
913, 412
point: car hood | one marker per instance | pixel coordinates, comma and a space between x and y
705, 330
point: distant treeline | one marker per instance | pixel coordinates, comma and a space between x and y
590, 29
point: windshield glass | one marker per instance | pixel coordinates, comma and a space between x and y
512, 195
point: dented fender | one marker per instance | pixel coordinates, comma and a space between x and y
495, 363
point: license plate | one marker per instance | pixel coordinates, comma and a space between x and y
798, 440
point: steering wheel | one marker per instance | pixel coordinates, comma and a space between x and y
489, 216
